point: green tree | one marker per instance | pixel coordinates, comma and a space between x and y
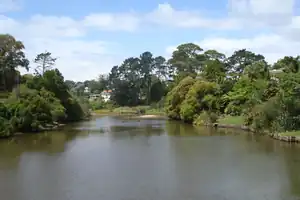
288, 64
71, 84
186, 60
214, 55
214, 71
53, 81
12, 56
44, 62
176, 96
281, 112
241, 59
202, 96
257, 70
162, 68
244, 93
126, 82
147, 66
158, 90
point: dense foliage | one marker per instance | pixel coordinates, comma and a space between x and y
242, 84
194, 85
32, 102
200, 86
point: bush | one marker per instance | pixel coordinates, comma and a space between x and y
53, 81
32, 111
6, 129
176, 96
233, 109
206, 118
202, 96
35, 111
97, 105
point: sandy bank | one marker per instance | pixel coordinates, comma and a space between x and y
150, 117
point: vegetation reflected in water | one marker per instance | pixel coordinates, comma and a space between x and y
113, 158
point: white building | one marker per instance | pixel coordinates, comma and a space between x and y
86, 90
105, 94
94, 97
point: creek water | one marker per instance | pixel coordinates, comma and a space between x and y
113, 158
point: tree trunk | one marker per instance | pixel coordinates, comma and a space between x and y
4, 80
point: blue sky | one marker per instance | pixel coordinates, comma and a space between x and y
91, 36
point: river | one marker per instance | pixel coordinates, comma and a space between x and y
111, 158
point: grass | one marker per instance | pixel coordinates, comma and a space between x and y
233, 120
3, 96
102, 111
155, 112
130, 111
291, 133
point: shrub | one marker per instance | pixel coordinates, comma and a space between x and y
6, 128
233, 109
206, 118
176, 96
202, 96
97, 105
53, 81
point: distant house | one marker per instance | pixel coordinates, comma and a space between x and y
94, 97
274, 72
86, 90
105, 94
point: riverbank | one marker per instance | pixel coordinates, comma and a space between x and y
41, 129
236, 122
149, 117
55, 126
137, 111
131, 116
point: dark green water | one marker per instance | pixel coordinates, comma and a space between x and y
113, 159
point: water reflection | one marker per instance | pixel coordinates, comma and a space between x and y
52, 142
118, 158
176, 128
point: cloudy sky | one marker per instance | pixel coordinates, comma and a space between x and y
91, 36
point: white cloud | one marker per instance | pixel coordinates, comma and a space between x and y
272, 46
53, 26
77, 59
166, 15
262, 12
81, 58
9, 5
7, 24
112, 22
276, 15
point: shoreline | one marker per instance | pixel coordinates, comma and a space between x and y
150, 117
49, 128
41, 130
276, 136
132, 115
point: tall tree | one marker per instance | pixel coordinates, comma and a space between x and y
241, 59
288, 64
44, 62
147, 67
12, 56
161, 67
187, 60
214, 55
126, 83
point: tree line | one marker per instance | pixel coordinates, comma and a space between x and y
199, 86
32, 103
194, 85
